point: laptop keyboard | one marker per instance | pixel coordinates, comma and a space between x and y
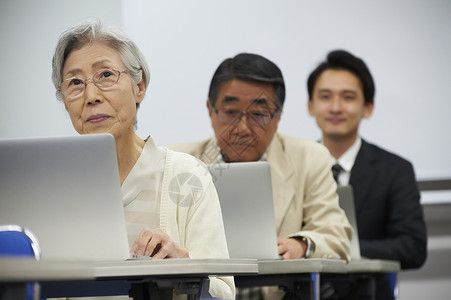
139, 257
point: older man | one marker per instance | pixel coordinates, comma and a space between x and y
245, 103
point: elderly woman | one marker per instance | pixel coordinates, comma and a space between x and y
101, 77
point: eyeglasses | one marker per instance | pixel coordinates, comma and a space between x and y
104, 78
255, 116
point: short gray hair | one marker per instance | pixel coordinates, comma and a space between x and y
248, 67
89, 32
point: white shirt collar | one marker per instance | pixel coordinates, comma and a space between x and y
347, 160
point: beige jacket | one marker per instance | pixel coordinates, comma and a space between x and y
304, 191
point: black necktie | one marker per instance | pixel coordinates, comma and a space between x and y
336, 169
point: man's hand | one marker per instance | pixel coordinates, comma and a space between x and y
158, 245
291, 248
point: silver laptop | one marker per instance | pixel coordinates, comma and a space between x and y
245, 194
67, 191
358, 263
346, 199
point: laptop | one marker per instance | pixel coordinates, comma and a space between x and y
66, 190
358, 263
346, 200
245, 194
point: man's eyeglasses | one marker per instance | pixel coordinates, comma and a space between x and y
104, 78
254, 116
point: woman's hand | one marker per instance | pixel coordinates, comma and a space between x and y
158, 245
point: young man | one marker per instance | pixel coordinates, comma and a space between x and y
387, 201
245, 103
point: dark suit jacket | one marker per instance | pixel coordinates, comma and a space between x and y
389, 214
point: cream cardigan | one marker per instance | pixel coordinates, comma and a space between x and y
193, 220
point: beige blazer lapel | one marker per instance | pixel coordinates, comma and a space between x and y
282, 172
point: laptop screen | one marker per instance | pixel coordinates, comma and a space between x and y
245, 194
66, 190
346, 199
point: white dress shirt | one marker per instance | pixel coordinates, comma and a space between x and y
346, 161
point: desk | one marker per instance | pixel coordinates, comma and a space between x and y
373, 266
28, 269
361, 276
184, 275
145, 279
298, 277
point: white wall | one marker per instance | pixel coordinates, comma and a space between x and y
407, 45
29, 31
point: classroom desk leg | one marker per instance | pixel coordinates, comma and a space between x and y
316, 282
